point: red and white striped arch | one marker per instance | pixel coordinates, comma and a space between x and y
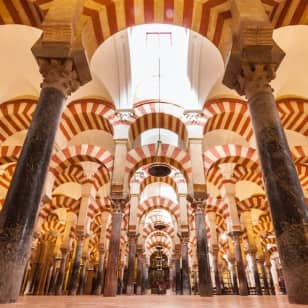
149, 228
153, 179
294, 114
158, 202
257, 202
59, 201
157, 120
100, 205
158, 238
264, 224
217, 205
52, 223
6, 177
229, 114
300, 154
86, 114
9, 154
230, 153
75, 154
302, 171
167, 154
15, 116
241, 173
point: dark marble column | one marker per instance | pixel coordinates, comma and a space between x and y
243, 286
215, 251
83, 275
205, 281
62, 271
111, 285
145, 274
234, 278
132, 238
269, 278
178, 277
20, 208
100, 271
74, 280
139, 272
255, 272
260, 262
54, 276
250, 70
185, 266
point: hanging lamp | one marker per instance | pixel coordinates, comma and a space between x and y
157, 168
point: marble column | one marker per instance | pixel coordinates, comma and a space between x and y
62, 271
178, 277
185, 266
111, 285
100, 271
243, 286
205, 281
140, 261
234, 277
83, 275
74, 280
215, 250
252, 66
20, 208
132, 242
268, 275
260, 262
256, 275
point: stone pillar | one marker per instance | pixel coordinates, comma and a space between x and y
252, 249
172, 274
74, 280
243, 286
132, 242
178, 274
100, 271
62, 75
110, 287
185, 265
211, 216
214, 251
205, 281
268, 274
83, 275
140, 262
254, 59
62, 271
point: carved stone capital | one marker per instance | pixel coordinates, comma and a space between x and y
60, 74
118, 202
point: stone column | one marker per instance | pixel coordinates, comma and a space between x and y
132, 242
110, 287
185, 265
252, 249
254, 59
83, 275
100, 270
243, 286
172, 274
178, 274
205, 281
214, 251
211, 216
140, 262
74, 280
268, 274
62, 271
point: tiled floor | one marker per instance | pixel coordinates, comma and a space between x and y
151, 302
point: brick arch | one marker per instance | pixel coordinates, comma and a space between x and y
87, 114
300, 154
228, 114
15, 116
9, 154
229, 153
59, 201
157, 120
264, 224
249, 171
257, 202
52, 223
158, 202
100, 205
75, 154
294, 114
167, 153
153, 179
22, 12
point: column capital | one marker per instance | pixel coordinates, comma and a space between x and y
118, 201
254, 56
226, 170
80, 233
235, 235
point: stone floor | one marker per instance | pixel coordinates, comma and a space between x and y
163, 301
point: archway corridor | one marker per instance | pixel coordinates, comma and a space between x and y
153, 153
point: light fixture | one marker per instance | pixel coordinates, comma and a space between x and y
157, 168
